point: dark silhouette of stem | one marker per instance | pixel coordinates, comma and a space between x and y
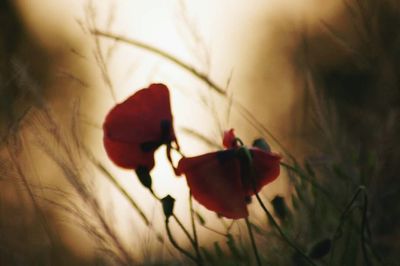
120, 38
196, 241
41, 215
175, 244
364, 223
114, 181
177, 220
283, 235
253, 242
363, 231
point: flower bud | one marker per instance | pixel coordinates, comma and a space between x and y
168, 203
144, 176
261, 144
280, 207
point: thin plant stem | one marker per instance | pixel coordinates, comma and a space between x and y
363, 227
213, 230
177, 220
253, 242
347, 209
364, 223
125, 193
196, 240
98, 54
117, 185
72, 176
41, 215
128, 259
191, 69
283, 235
175, 244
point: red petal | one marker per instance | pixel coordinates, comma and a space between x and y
215, 183
128, 155
266, 168
138, 118
229, 140
135, 121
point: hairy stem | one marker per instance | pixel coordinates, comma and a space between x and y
253, 242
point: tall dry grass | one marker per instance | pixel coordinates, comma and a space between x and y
342, 209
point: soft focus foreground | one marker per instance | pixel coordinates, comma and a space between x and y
318, 82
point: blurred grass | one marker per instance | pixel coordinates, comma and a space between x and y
343, 208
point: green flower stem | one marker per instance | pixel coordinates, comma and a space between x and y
363, 230
178, 221
283, 235
248, 172
196, 240
213, 230
253, 242
125, 193
347, 210
175, 244
364, 224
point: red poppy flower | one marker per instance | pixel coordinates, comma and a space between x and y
135, 128
217, 180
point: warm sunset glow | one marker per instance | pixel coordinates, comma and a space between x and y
225, 49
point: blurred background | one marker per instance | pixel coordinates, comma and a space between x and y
321, 77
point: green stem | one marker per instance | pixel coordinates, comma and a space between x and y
175, 244
117, 185
253, 242
364, 223
347, 209
363, 227
196, 241
213, 230
178, 221
283, 235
